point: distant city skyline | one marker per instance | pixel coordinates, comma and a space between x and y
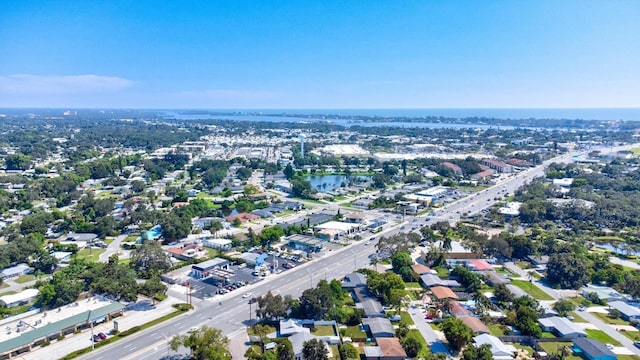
320, 55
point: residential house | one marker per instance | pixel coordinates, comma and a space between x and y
561, 327
421, 269
479, 265
20, 298
243, 217
386, 349
605, 293
379, 327
499, 350
456, 309
15, 271
186, 252
591, 349
431, 280
475, 324
493, 278
354, 280
627, 312
441, 293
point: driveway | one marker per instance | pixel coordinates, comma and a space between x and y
431, 337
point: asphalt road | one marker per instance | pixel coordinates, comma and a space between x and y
232, 313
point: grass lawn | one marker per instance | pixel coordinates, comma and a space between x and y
25, 278
4, 285
628, 357
250, 331
354, 333
406, 318
15, 310
125, 261
577, 317
633, 335
523, 264
424, 349
547, 335
323, 330
131, 238
412, 285
554, 347
212, 252
335, 352
442, 272
531, 289
602, 336
497, 329
7, 293
528, 349
90, 254
536, 275
608, 320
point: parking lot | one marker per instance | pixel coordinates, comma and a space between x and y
243, 275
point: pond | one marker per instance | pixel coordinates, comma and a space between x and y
325, 183
620, 250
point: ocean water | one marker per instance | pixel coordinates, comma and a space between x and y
627, 114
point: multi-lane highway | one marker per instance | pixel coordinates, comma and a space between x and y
232, 313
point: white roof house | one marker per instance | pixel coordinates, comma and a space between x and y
562, 327
19, 298
628, 312
499, 350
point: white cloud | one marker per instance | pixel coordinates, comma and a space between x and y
22, 84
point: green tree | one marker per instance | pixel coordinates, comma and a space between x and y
564, 306
315, 349
284, 348
273, 307
567, 270
348, 352
401, 263
457, 333
288, 171
149, 259
477, 353
153, 287
205, 343
300, 187
411, 346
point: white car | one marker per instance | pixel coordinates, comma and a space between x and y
246, 295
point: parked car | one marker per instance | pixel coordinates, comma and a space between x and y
96, 338
102, 335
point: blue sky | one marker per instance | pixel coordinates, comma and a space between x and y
320, 54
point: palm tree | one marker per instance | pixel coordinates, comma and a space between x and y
261, 331
374, 262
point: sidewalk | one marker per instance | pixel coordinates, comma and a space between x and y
74, 342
